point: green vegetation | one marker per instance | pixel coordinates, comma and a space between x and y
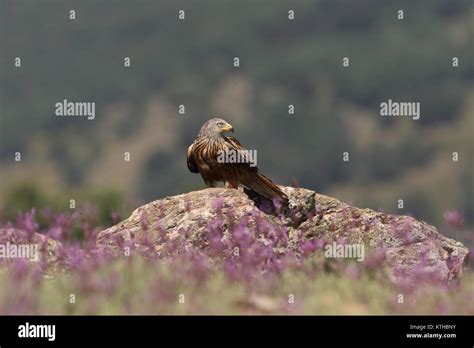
103, 204
136, 286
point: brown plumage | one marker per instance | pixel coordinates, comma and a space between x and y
204, 158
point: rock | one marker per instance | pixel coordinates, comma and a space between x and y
401, 241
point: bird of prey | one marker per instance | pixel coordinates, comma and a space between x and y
205, 157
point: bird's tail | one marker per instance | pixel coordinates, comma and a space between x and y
264, 186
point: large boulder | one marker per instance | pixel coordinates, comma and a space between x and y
409, 247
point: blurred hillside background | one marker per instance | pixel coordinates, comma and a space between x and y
282, 62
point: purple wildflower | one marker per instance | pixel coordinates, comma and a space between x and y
454, 218
144, 220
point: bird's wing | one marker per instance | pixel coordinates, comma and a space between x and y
235, 145
192, 166
250, 177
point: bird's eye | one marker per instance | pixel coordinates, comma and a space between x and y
220, 124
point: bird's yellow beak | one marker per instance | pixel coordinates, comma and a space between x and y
228, 128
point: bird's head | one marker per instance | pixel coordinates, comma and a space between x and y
215, 127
